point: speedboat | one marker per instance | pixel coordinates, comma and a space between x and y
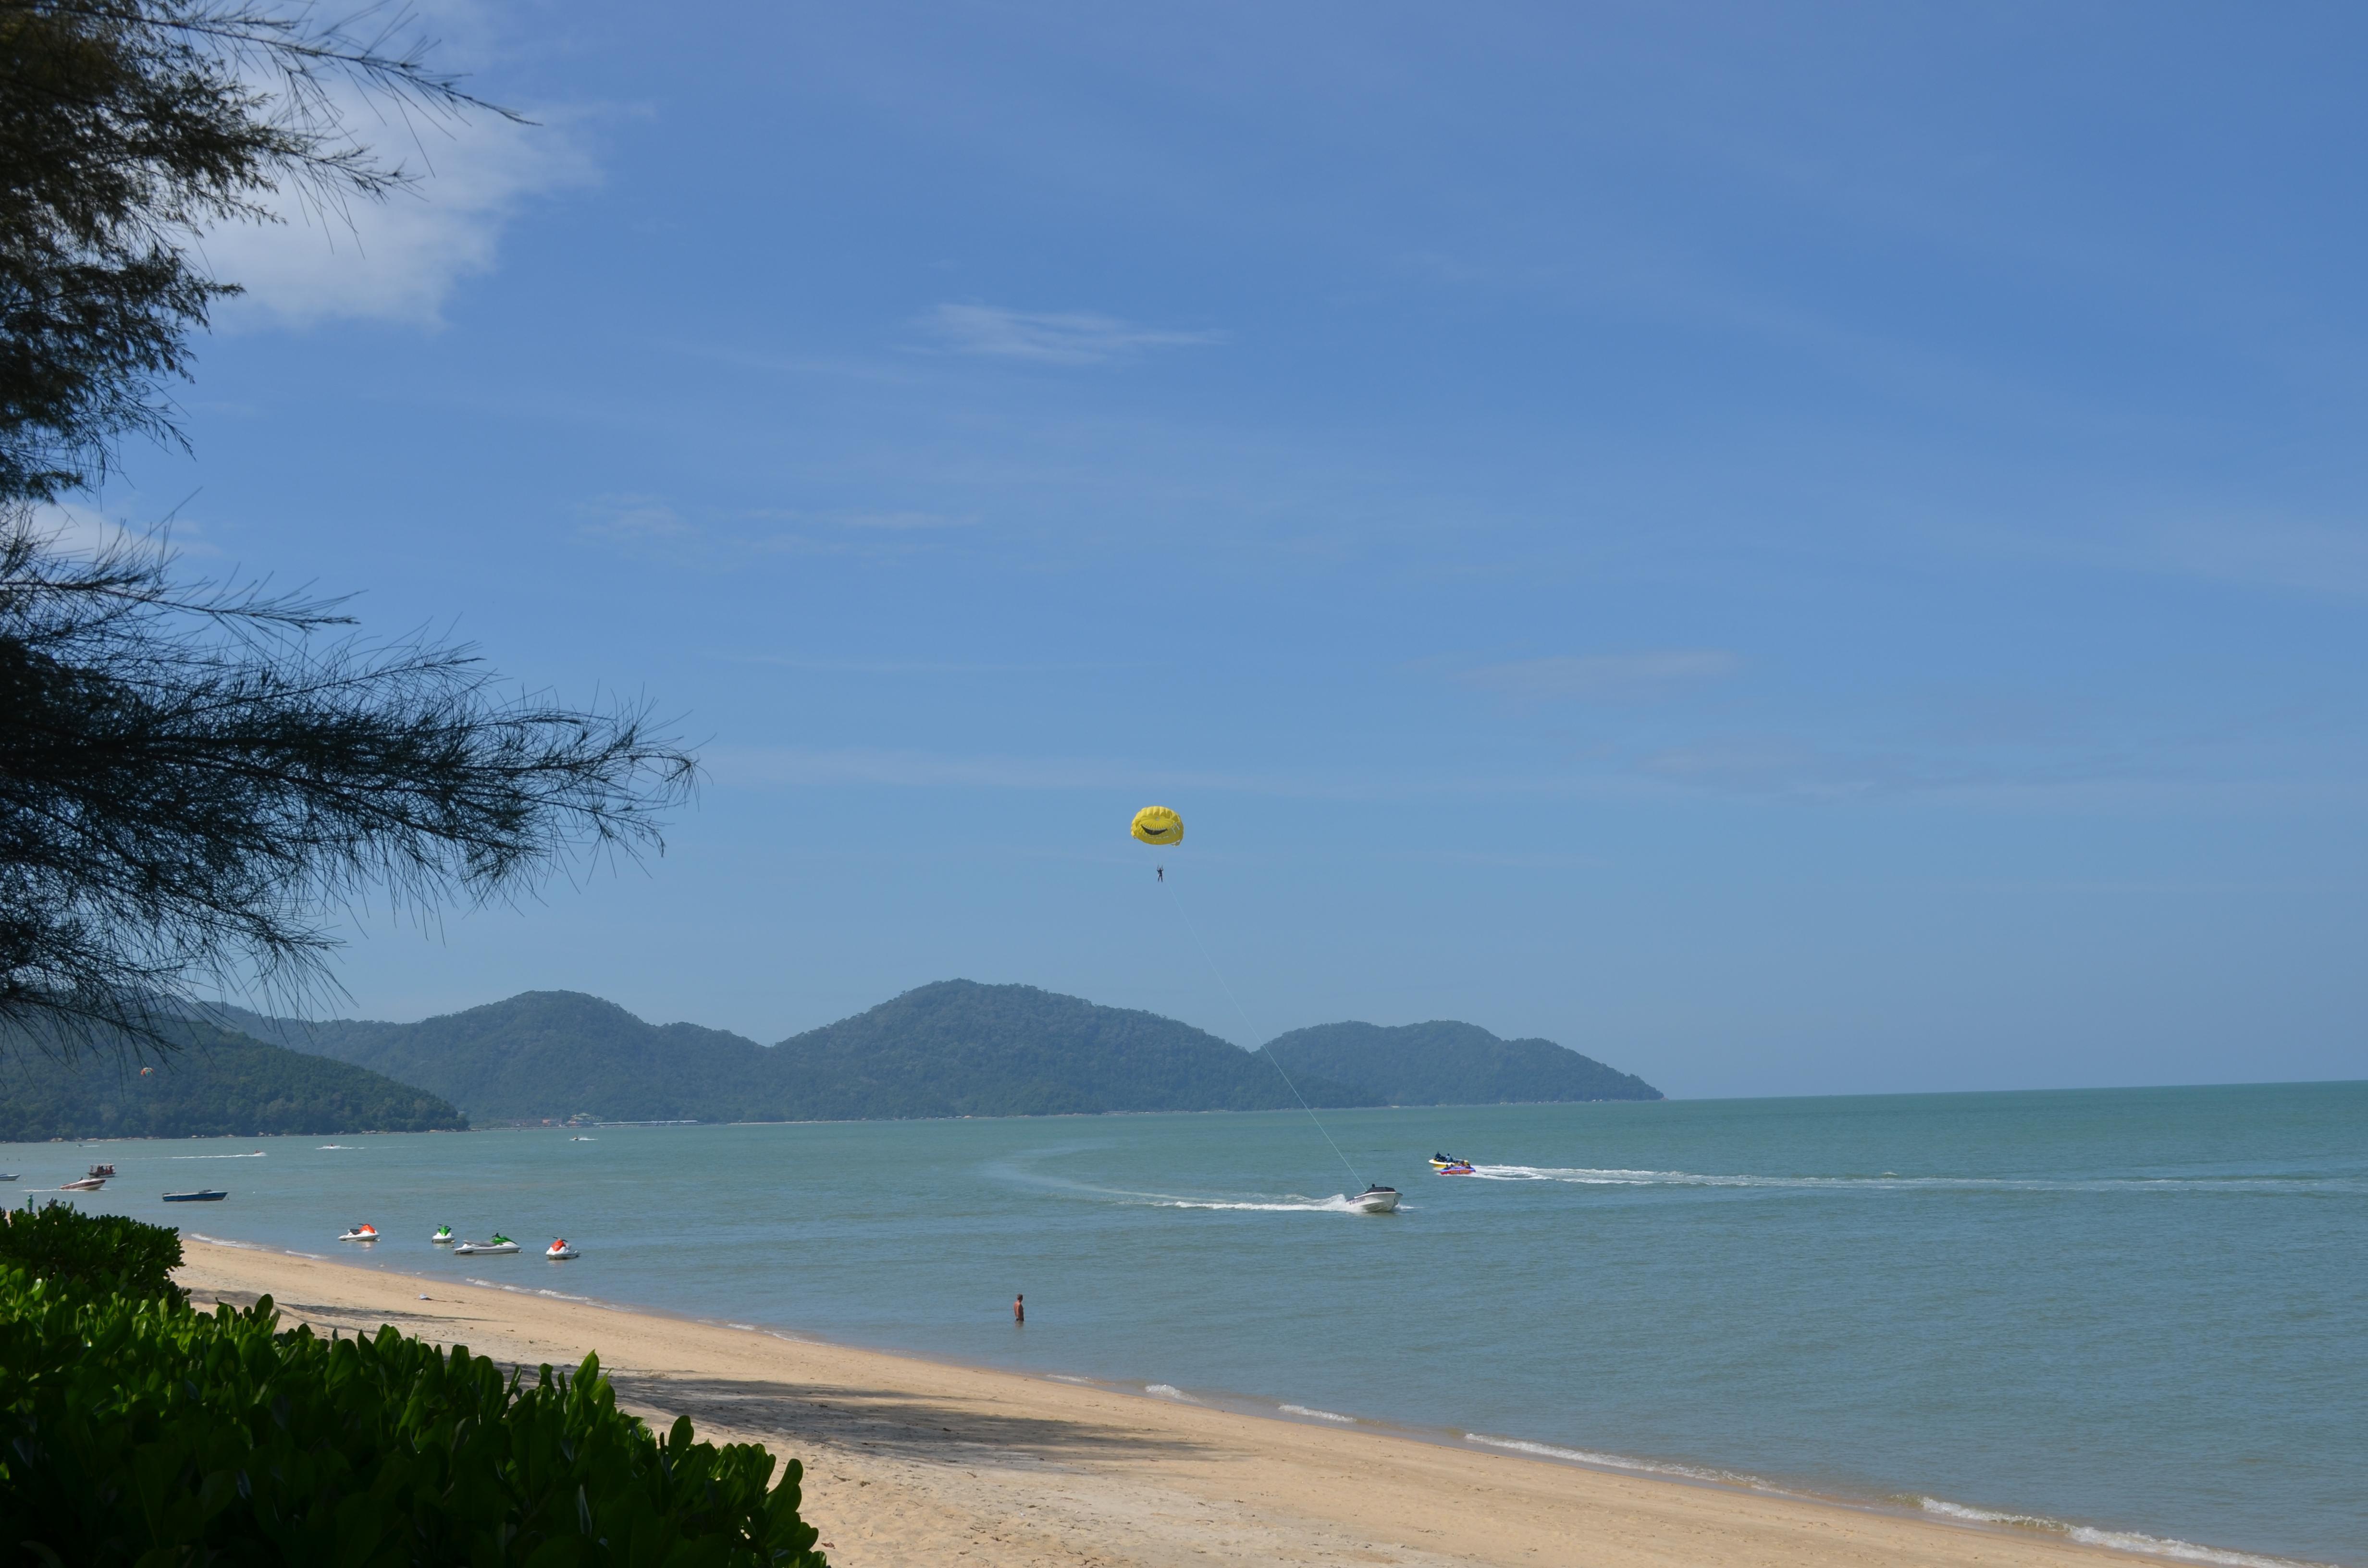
559, 1250
1376, 1199
1451, 1164
443, 1236
207, 1196
499, 1243
7, 1176
360, 1234
87, 1183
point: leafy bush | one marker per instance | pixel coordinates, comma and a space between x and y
135, 1431
104, 1253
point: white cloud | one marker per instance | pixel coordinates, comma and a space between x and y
76, 530
399, 260
1601, 677
1052, 337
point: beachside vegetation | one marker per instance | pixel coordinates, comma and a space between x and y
135, 1429
221, 1084
196, 777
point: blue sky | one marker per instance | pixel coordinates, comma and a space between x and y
1794, 548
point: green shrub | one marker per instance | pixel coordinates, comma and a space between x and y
135, 1431
102, 1253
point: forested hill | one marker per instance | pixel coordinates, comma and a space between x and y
1451, 1063
548, 1053
956, 1048
217, 1085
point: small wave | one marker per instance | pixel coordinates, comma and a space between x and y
2117, 1540
319, 1146
1621, 1461
1316, 1414
1064, 1378
742, 1327
223, 1242
1170, 1390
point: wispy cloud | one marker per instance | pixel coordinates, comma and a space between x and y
1601, 677
399, 260
1052, 337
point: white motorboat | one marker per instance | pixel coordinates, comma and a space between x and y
87, 1183
1376, 1199
443, 1236
558, 1250
360, 1234
498, 1244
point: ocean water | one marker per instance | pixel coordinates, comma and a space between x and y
2124, 1313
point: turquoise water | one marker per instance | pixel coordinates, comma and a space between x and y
2124, 1310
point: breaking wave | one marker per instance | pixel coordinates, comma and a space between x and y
2117, 1540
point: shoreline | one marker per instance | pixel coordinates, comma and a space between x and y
1045, 1468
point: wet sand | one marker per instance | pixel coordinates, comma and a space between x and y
912, 1462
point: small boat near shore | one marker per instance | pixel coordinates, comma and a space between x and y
360, 1232
443, 1236
500, 1244
208, 1196
558, 1250
1376, 1199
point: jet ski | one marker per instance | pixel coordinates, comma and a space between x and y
499, 1243
558, 1250
1376, 1199
443, 1236
360, 1234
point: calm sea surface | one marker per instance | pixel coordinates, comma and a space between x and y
2122, 1310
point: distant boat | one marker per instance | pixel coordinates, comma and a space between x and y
87, 1183
360, 1234
195, 1197
101, 1171
1376, 1199
500, 1244
558, 1250
7, 1176
443, 1236
1451, 1164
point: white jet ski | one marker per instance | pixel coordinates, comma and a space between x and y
1376, 1199
499, 1243
360, 1234
558, 1250
443, 1236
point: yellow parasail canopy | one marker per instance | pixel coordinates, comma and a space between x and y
1157, 824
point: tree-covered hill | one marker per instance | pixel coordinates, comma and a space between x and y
217, 1085
547, 1053
956, 1048
1451, 1063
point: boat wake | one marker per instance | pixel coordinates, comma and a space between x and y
1336, 1204
1890, 1182
255, 1154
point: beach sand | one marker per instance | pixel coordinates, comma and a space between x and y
911, 1462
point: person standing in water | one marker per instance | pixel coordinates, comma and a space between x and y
1018, 1308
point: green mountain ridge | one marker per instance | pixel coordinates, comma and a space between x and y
217, 1085
1442, 1062
954, 1047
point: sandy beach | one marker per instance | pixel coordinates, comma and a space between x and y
912, 1462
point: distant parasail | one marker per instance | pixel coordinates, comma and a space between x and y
1157, 824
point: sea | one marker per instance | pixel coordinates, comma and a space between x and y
2137, 1317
